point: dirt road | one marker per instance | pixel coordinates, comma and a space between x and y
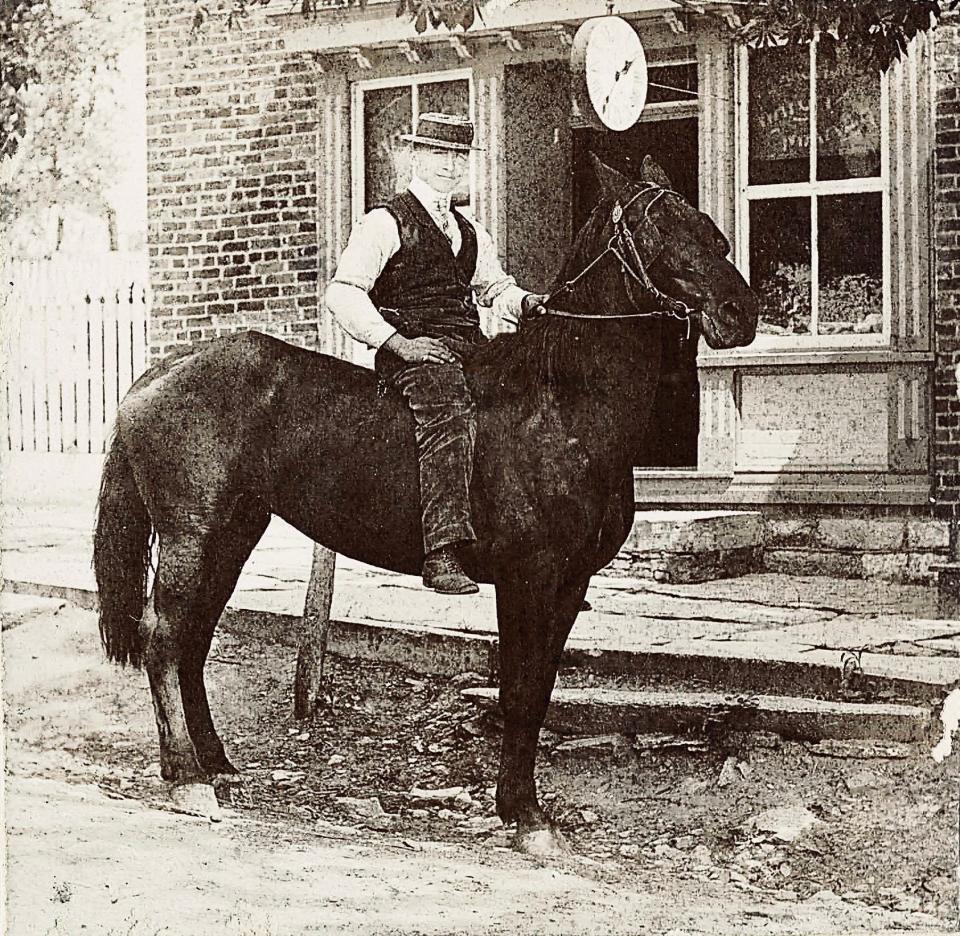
92, 850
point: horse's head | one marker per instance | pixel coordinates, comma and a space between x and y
673, 254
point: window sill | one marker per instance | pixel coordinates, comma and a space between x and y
800, 357
653, 487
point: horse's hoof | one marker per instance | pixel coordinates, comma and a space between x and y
542, 843
217, 766
196, 799
227, 778
215, 761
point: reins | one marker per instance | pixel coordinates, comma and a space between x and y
688, 318
623, 246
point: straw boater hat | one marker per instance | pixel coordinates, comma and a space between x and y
443, 131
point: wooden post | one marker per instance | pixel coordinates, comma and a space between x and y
313, 633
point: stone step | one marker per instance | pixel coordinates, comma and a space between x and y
691, 545
771, 668
604, 711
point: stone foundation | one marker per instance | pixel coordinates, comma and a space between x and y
891, 549
687, 567
697, 546
691, 545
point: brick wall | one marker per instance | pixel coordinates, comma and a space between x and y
946, 455
232, 181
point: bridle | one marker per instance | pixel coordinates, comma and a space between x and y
623, 246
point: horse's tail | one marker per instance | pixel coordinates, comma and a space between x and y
121, 557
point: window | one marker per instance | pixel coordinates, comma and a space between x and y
672, 83
815, 205
383, 111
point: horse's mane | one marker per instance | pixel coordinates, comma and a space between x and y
546, 353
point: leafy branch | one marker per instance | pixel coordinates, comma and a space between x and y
232, 11
437, 13
879, 29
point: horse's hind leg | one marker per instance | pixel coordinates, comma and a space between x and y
177, 596
225, 557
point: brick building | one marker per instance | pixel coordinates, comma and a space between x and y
839, 189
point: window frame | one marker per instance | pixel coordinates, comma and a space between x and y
812, 190
358, 131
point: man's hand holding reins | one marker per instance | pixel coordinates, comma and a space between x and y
420, 350
532, 305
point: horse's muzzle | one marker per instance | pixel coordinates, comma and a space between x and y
731, 324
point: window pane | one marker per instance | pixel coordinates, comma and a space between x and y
387, 112
780, 264
445, 97
672, 83
851, 264
779, 115
848, 116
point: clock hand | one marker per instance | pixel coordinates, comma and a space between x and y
620, 73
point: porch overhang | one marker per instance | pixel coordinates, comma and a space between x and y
378, 27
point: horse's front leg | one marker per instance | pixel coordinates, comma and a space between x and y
534, 620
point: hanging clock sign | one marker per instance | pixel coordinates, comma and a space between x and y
609, 72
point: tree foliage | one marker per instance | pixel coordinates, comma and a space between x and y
58, 101
433, 14
233, 12
881, 29
18, 68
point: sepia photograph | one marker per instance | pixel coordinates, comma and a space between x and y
480, 467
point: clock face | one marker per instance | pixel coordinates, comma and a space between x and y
609, 61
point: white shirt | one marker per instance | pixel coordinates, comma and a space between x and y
376, 238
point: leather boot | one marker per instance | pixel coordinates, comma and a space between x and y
443, 573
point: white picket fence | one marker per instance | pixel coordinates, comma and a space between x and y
75, 340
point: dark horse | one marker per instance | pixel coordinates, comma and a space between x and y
212, 441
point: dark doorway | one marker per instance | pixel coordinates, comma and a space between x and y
672, 439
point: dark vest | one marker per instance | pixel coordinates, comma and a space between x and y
424, 290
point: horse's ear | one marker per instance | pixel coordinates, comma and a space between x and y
650, 171
611, 181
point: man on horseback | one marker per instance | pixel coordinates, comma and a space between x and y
408, 285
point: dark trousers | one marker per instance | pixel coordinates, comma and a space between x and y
446, 430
